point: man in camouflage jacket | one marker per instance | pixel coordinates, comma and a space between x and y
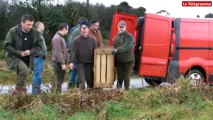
22, 42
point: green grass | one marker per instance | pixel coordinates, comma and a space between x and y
84, 115
175, 102
181, 100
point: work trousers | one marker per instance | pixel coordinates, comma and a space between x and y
85, 73
123, 74
59, 76
22, 74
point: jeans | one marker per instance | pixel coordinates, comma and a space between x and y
73, 78
37, 74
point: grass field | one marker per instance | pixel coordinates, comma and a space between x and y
178, 101
181, 100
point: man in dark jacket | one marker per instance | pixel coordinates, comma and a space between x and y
21, 42
124, 55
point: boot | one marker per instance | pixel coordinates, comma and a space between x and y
52, 89
77, 85
19, 91
70, 85
58, 89
36, 89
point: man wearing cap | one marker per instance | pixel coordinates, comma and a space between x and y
59, 55
124, 55
82, 51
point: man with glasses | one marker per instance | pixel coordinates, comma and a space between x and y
124, 55
59, 55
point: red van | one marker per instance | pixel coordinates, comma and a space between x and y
168, 47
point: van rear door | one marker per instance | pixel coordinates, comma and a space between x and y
131, 21
156, 45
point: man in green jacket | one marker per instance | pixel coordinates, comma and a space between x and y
21, 42
124, 55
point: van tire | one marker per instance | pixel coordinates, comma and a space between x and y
197, 75
153, 82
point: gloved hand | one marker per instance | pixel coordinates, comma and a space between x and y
114, 51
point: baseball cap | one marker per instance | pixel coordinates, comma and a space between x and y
122, 24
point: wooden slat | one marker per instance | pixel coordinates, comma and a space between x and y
95, 69
110, 69
103, 68
104, 51
98, 69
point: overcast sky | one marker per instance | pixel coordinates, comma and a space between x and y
174, 7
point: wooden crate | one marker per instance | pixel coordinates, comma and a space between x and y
104, 74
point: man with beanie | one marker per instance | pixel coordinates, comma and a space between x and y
73, 78
82, 51
124, 55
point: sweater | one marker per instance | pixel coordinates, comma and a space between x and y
59, 49
83, 49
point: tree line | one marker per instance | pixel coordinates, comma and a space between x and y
51, 13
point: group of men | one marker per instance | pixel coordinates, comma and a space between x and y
26, 49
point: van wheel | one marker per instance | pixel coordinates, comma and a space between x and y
152, 82
195, 76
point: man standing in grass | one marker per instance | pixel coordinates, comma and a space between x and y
39, 60
59, 55
73, 78
21, 42
82, 51
124, 55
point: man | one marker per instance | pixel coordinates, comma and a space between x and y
73, 79
124, 55
83, 52
59, 55
21, 42
94, 31
39, 60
